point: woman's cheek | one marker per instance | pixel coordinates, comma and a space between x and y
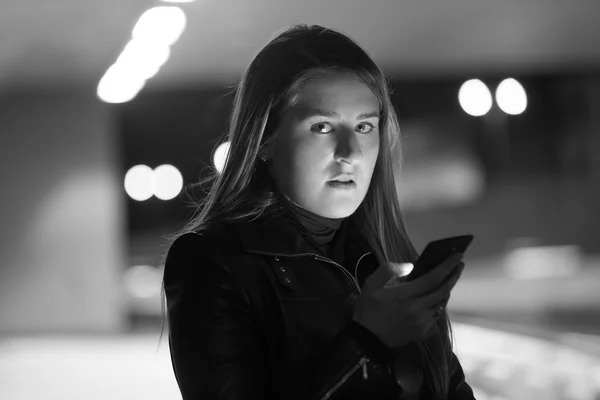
372, 148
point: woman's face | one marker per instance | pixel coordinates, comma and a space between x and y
330, 135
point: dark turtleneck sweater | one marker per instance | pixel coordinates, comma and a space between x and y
322, 231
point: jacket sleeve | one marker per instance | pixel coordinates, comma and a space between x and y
215, 346
459, 388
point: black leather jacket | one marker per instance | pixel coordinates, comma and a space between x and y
255, 313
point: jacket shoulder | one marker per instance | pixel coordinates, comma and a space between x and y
208, 240
213, 246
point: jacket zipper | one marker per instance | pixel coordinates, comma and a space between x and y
364, 359
356, 266
353, 279
361, 363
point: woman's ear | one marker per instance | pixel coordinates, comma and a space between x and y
264, 153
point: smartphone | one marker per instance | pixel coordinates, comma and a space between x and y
437, 251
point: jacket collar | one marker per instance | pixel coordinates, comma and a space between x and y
274, 234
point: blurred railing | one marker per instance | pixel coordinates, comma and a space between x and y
517, 362
501, 361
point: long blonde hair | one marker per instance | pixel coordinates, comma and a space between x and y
269, 86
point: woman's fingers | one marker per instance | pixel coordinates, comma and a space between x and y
441, 295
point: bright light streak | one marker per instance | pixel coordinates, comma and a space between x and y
475, 98
169, 182
511, 97
142, 58
156, 30
543, 262
140, 184
220, 156
480, 394
401, 269
160, 25
119, 85
398, 270
498, 371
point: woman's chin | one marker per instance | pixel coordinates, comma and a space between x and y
339, 211
330, 206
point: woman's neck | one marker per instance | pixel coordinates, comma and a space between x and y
321, 229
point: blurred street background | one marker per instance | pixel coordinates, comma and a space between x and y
110, 109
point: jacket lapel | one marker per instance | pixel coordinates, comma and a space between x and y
275, 235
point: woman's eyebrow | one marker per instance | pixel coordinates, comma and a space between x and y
332, 114
372, 114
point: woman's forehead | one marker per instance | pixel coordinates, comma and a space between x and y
332, 96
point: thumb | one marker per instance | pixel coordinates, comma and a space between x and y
381, 277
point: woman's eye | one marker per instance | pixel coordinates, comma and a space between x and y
322, 127
364, 128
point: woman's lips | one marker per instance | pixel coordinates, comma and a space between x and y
347, 185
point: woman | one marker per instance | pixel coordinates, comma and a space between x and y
281, 286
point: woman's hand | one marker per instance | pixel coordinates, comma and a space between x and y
400, 314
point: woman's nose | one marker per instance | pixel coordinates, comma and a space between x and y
348, 149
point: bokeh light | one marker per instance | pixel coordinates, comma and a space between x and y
140, 183
475, 98
142, 281
511, 97
160, 25
220, 156
143, 58
169, 182
119, 85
